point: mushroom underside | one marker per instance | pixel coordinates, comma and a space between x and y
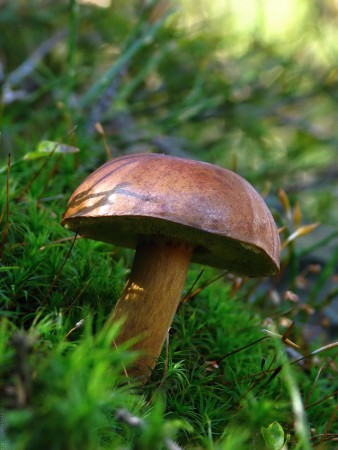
209, 247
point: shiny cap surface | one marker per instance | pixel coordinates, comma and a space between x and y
214, 209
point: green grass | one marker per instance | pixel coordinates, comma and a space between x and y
155, 85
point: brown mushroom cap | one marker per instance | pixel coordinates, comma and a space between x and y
146, 195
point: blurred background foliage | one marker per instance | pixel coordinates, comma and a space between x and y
249, 84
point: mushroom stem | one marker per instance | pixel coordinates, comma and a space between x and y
150, 299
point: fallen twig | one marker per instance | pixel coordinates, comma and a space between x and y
122, 415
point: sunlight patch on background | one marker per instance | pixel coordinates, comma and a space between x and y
269, 19
100, 3
272, 19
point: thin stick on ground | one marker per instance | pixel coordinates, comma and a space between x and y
5, 209
59, 272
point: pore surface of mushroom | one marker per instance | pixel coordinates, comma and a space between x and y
172, 211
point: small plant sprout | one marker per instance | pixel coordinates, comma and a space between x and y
172, 211
274, 437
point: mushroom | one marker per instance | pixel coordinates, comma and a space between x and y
172, 211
